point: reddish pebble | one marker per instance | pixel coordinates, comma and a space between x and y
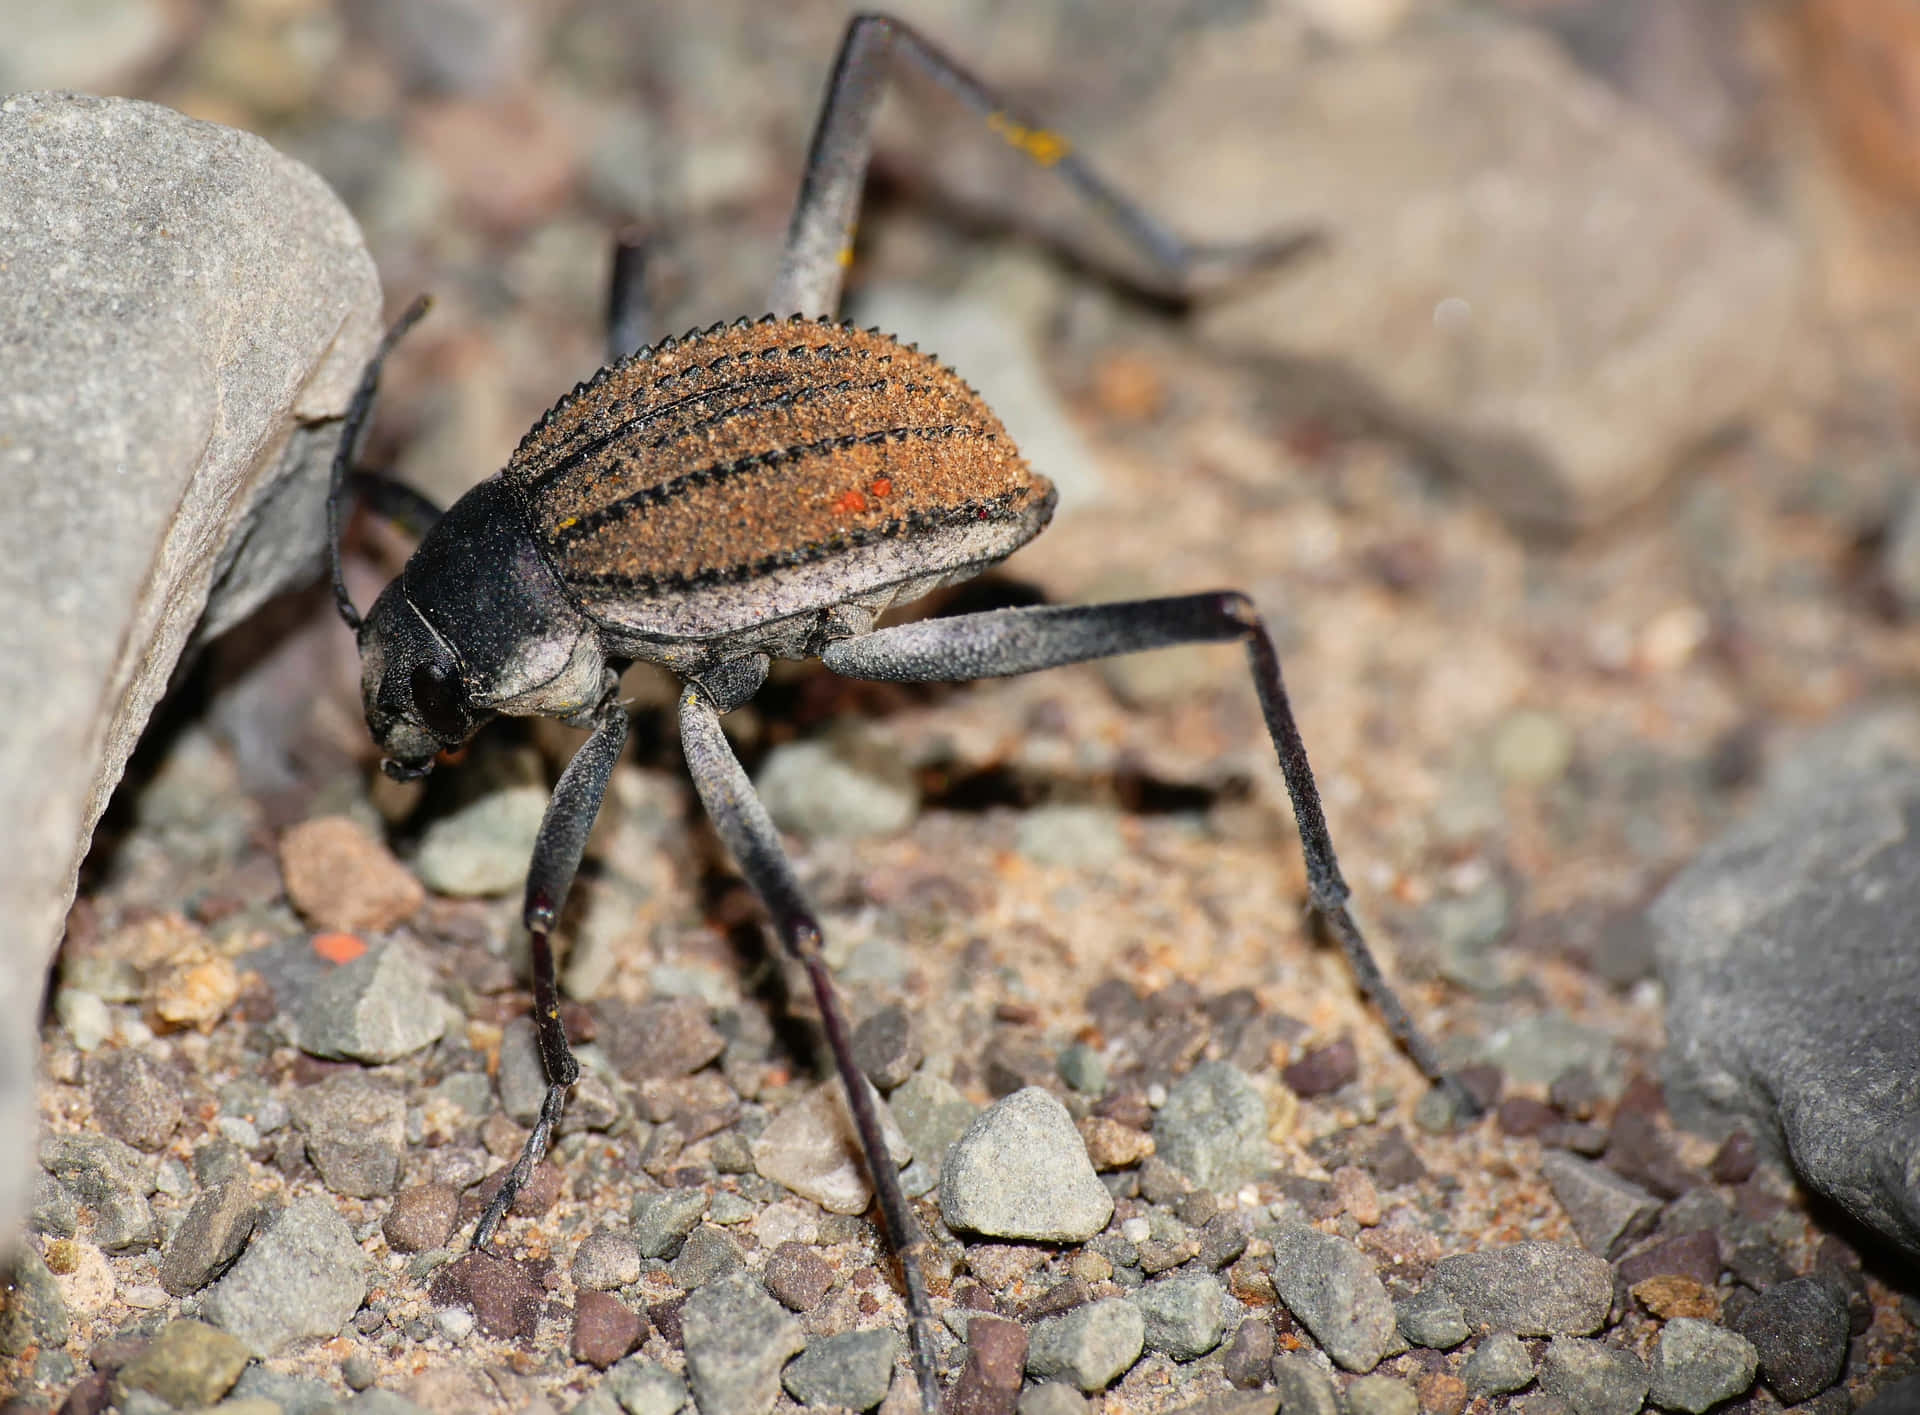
504, 1296
1735, 1160
343, 880
1324, 1069
797, 1276
604, 1329
1523, 1115
1441, 1393
421, 1218
537, 1196
989, 1383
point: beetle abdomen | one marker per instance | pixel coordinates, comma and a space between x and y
793, 462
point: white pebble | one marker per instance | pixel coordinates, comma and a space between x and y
455, 1323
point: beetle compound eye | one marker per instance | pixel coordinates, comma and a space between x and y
437, 699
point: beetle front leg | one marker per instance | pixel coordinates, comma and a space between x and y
1001, 642
556, 858
750, 835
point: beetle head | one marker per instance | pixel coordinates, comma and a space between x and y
417, 705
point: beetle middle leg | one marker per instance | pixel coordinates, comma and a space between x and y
819, 241
556, 858
1001, 642
750, 836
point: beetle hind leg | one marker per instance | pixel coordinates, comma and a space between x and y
1000, 642
819, 244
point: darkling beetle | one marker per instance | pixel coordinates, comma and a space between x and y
757, 490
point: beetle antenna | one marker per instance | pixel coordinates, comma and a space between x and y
358, 412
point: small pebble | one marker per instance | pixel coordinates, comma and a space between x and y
110, 1177
1072, 837
1696, 1365
736, 1340
1323, 1070
1530, 1289
187, 1364
1441, 1393
35, 1313
932, 1114
1305, 1389
811, 789
989, 1382
811, 1147
1353, 1190
303, 1277
1736, 1159
1799, 1329
1184, 1317
604, 1328
1021, 1171
1382, 1395
659, 1040
1091, 1346
1499, 1365
1672, 1296
886, 1047
504, 1296
421, 1218
1249, 1356
662, 1221
1694, 1255
1111, 1145
1592, 1377
355, 1132
1431, 1319
1532, 749
1331, 1286
376, 1009
134, 1097
797, 1276
1607, 1211
340, 878
851, 1371
606, 1260
210, 1235
359, 1371
483, 848
1213, 1128
1051, 1398
1082, 1068
645, 1387
87, 1020
708, 1253
456, 1324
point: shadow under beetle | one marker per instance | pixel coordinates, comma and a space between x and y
766, 489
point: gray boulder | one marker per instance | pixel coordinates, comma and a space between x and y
1791, 955
183, 314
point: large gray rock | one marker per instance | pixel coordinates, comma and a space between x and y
1520, 269
1790, 950
182, 313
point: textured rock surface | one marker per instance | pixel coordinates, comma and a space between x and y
1478, 180
179, 306
1021, 1171
1788, 953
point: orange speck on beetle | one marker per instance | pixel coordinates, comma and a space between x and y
849, 503
881, 487
339, 948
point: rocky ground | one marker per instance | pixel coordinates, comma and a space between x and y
1170, 1159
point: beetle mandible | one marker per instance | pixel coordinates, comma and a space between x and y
765, 489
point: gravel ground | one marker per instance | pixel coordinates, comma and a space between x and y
1169, 1158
